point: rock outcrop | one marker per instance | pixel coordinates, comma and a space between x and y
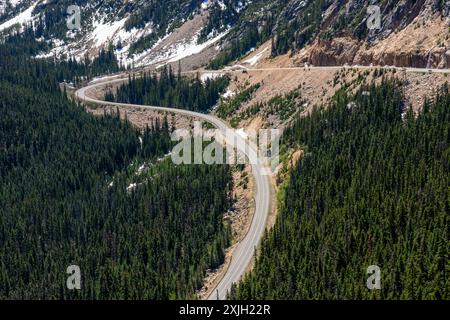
423, 43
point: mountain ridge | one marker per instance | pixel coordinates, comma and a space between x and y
331, 32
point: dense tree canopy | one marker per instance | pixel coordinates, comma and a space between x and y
170, 90
372, 188
96, 192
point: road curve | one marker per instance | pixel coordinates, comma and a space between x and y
244, 252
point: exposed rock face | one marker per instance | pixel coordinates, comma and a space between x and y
446, 60
411, 33
340, 52
336, 52
423, 43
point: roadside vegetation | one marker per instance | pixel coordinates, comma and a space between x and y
67, 196
229, 106
371, 188
170, 90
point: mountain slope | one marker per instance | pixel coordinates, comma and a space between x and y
132, 27
97, 193
315, 31
338, 31
370, 188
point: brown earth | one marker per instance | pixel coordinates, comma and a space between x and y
185, 32
240, 219
424, 43
317, 86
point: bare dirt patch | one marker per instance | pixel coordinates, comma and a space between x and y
318, 86
419, 87
141, 117
240, 219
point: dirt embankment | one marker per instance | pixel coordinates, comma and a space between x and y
240, 219
316, 86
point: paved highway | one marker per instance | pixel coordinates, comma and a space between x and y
244, 252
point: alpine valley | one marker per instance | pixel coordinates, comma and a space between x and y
353, 205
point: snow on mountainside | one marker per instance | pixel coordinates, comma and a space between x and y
133, 28
142, 32
21, 18
8, 5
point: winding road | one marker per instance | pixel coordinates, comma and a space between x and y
243, 254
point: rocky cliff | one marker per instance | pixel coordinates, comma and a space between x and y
418, 38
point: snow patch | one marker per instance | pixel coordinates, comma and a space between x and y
191, 48
21, 18
13, 4
179, 50
140, 169
228, 94
131, 187
104, 78
210, 76
205, 4
104, 32
222, 5
254, 60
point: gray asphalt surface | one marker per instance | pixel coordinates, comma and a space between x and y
244, 252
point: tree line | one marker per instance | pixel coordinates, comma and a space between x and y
19, 65
65, 197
